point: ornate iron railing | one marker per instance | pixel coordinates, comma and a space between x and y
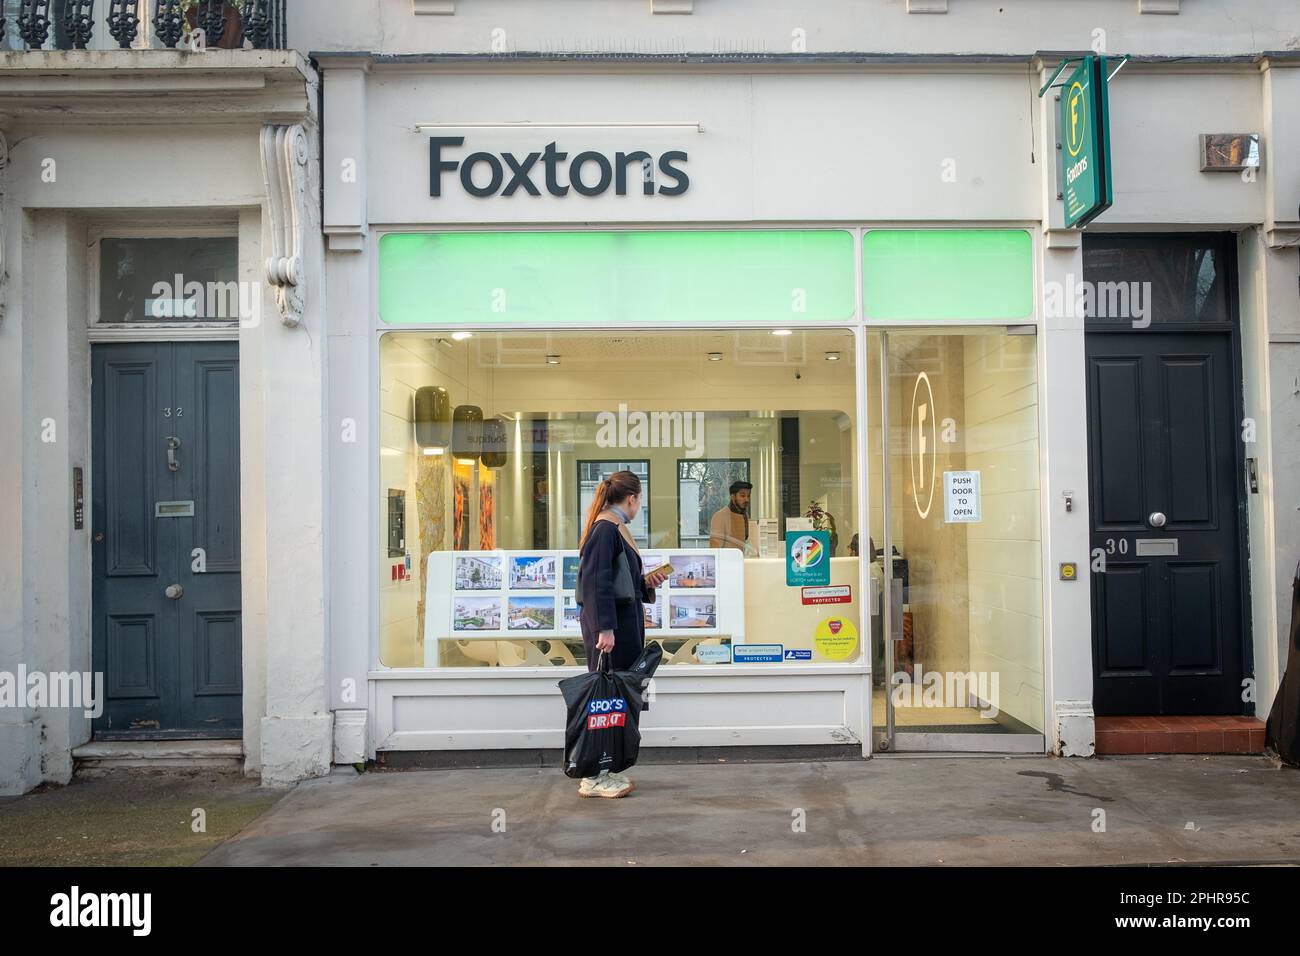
223, 23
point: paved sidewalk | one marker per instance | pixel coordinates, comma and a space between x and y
887, 811
129, 818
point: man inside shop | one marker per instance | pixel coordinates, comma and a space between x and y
729, 526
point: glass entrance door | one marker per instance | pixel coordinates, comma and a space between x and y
955, 542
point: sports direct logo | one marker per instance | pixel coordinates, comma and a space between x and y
603, 714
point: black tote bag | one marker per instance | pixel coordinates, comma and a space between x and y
602, 731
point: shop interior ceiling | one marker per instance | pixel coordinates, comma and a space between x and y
489, 349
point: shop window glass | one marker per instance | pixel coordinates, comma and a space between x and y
495, 441
543, 278
959, 448
173, 280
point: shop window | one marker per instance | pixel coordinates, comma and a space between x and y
497, 440
173, 280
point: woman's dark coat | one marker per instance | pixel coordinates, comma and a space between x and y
600, 610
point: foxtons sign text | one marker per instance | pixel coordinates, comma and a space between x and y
588, 173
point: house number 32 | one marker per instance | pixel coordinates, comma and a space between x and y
180, 412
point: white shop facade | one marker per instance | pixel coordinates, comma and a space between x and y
537, 276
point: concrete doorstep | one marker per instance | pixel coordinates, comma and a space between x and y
885, 812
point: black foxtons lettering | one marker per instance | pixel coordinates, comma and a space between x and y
437, 166
590, 173
645, 166
666, 167
519, 174
467, 174
575, 173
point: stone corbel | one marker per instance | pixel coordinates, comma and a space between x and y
4, 270
284, 168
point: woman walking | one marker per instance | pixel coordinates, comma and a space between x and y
613, 620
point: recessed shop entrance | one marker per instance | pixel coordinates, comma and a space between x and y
953, 452
166, 539
1166, 477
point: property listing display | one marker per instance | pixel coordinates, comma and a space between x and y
526, 594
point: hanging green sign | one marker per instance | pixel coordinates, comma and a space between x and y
1084, 130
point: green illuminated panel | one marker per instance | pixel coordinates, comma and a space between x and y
610, 277
927, 275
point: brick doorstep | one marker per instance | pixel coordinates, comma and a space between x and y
1179, 735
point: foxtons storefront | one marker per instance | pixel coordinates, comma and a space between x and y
876, 322
549, 289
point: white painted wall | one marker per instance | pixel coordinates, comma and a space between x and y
1205, 27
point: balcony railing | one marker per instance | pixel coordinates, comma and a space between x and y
142, 24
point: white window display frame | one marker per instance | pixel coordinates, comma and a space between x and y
390, 685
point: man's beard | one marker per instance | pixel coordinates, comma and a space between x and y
739, 510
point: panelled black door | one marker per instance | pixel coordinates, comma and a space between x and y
1167, 611
165, 532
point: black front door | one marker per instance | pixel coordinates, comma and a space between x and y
165, 527
1164, 487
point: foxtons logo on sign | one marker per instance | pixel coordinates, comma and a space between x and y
589, 173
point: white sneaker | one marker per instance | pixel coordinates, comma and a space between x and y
623, 778
605, 785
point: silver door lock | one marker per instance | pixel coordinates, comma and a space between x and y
1156, 519
174, 591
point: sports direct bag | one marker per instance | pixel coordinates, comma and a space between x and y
602, 732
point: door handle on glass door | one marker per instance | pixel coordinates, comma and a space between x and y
173, 443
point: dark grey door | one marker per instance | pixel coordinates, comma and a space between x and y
165, 533
1164, 487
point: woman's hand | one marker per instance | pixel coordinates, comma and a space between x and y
656, 579
605, 642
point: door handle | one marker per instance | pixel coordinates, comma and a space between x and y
174, 591
173, 443
1156, 519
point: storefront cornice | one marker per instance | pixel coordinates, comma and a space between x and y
157, 86
782, 62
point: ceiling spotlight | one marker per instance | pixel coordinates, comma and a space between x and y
715, 356
462, 336
431, 452
782, 332
552, 360
832, 356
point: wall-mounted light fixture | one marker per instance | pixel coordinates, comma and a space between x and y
715, 356
832, 356
552, 360
782, 332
